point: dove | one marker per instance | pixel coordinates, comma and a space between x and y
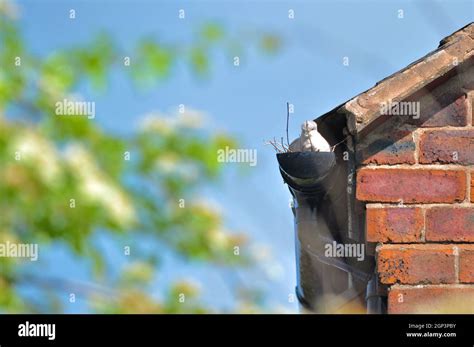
310, 140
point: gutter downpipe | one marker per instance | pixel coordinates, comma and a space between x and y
313, 179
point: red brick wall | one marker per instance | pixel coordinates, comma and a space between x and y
416, 178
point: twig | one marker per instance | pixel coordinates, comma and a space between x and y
337, 144
287, 123
280, 147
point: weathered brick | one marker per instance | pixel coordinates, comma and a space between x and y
394, 224
466, 263
392, 143
472, 186
472, 106
416, 264
431, 299
450, 224
448, 109
471, 116
447, 146
411, 185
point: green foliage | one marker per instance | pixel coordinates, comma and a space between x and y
212, 32
72, 181
270, 43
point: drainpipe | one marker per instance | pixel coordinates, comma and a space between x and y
318, 184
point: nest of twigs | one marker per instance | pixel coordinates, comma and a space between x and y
279, 146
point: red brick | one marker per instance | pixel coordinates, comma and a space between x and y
431, 299
472, 186
466, 263
450, 224
411, 185
388, 146
416, 264
447, 147
448, 109
394, 224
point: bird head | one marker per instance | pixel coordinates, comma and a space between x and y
308, 126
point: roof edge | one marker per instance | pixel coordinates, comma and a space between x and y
454, 51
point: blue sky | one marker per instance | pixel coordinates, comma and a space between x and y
249, 101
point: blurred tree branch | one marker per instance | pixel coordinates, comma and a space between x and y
72, 158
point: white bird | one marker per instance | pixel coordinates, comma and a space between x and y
310, 140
